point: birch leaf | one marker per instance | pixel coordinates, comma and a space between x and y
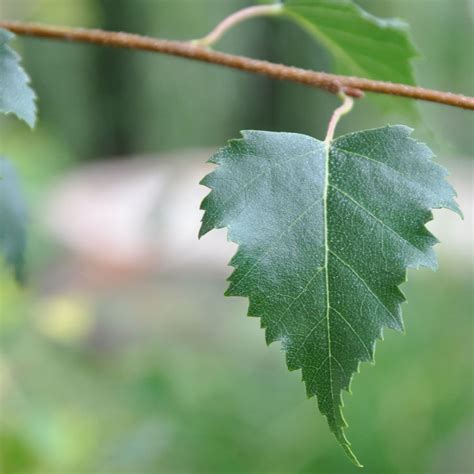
325, 234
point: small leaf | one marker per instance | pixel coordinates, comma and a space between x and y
12, 219
325, 235
361, 44
16, 96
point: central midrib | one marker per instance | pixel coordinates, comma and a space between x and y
326, 261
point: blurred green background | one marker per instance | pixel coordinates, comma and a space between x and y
132, 368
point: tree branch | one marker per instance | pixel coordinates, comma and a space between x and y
330, 82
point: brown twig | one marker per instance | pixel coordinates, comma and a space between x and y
334, 83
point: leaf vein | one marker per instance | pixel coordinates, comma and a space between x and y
354, 331
380, 163
365, 284
272, 244
358, 204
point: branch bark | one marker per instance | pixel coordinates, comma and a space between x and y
330, 82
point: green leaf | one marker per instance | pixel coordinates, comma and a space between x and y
325, 235
12, 219
16, 96
361, 44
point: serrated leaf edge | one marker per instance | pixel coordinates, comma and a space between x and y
5, 37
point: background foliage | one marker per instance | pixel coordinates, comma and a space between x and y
161, 373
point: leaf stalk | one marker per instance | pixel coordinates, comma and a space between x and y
345, 108
238, 17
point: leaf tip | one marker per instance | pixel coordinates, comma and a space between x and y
346, 446
204, 229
